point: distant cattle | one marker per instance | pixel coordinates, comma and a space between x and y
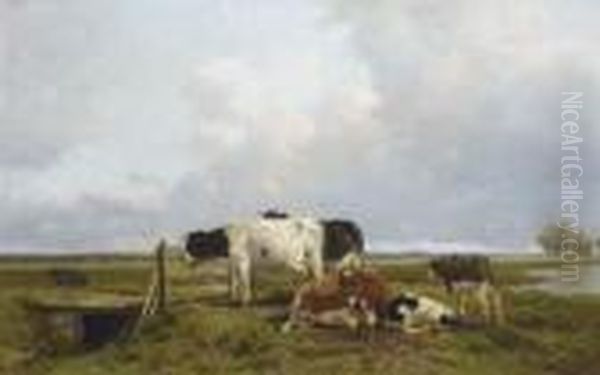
454, 270
467, 274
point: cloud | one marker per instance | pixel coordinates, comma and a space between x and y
423, 121
286, 134
473, 92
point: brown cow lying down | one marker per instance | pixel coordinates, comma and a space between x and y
347, 298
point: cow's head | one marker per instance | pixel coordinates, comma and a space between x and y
206, 244
340, 238
350, 264
401, 306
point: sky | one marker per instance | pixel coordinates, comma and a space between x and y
425, 121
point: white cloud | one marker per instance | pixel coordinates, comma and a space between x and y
422, 120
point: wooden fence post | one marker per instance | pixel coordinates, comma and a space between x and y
161, 276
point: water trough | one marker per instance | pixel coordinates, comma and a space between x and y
72, 324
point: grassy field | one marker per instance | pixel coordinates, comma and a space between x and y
202, 334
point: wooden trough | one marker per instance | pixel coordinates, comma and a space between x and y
73, 320
70, 324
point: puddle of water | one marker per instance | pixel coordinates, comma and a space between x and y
587, 283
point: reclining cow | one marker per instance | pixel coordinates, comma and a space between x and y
302, 244
416, 313
351, 297
465, 275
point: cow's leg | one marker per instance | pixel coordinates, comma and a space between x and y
234, 280
368, 313
334, 318
431, 276
497, 306
370, 324
189, 260
317, 265
294, 310
461, 296
409, 325
289, 324
483, 292
245, 270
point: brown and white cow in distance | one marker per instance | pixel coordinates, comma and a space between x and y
467, 275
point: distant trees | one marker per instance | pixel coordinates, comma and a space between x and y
555, 239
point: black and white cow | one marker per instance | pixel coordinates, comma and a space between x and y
416, 313
303, 244
340, 238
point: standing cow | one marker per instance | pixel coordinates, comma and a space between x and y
303, 244
464, 275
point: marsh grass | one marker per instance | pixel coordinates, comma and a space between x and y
204, 334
